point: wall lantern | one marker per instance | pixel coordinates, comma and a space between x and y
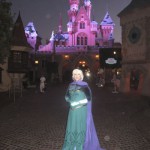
66, 56
114, 52
97, 56
82, 63
36, 61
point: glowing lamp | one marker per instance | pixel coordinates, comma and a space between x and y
114, 52
88, 74
97, 56
66, 56
36, 62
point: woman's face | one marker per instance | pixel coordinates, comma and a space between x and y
77, 76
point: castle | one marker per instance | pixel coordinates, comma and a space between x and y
82, 29
79, 45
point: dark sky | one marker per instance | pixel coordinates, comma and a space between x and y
45, 13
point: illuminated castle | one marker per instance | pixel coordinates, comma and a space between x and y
82, 30
78, 46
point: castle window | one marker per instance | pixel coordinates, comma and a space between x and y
78, 40
82, 25
17, 57
82, 39
85, 40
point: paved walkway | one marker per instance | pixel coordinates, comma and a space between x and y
37, 121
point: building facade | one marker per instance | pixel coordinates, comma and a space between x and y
135, 22
16, 66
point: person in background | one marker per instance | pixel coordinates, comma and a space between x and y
80, 131
42, 83
100, 78
116, 83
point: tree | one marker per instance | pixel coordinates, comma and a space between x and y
6, 25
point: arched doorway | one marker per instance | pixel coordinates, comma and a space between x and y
66, 73
82, 64
88, 64
134, 79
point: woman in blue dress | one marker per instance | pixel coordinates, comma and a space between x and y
80, 130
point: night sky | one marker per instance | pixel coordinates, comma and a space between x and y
45, 14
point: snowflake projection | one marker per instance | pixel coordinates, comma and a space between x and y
31, 34
30, 30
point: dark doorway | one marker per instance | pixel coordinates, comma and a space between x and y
134, 79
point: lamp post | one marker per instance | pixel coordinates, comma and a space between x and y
36, 62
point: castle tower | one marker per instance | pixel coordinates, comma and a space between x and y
107, 28
88, 7
74, 6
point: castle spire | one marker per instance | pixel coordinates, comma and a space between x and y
74, 6
93, 17
60, 24
88, 7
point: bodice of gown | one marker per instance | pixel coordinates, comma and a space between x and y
76, 93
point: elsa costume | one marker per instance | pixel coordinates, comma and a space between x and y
80, 130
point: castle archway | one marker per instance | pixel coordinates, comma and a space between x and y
88, 64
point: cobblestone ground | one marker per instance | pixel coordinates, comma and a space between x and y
37, 121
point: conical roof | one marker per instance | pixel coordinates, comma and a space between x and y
107, 20
18, 35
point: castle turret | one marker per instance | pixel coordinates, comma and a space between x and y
88, 7
60, 24
94, 26
70, 27
74, 6
107, 27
